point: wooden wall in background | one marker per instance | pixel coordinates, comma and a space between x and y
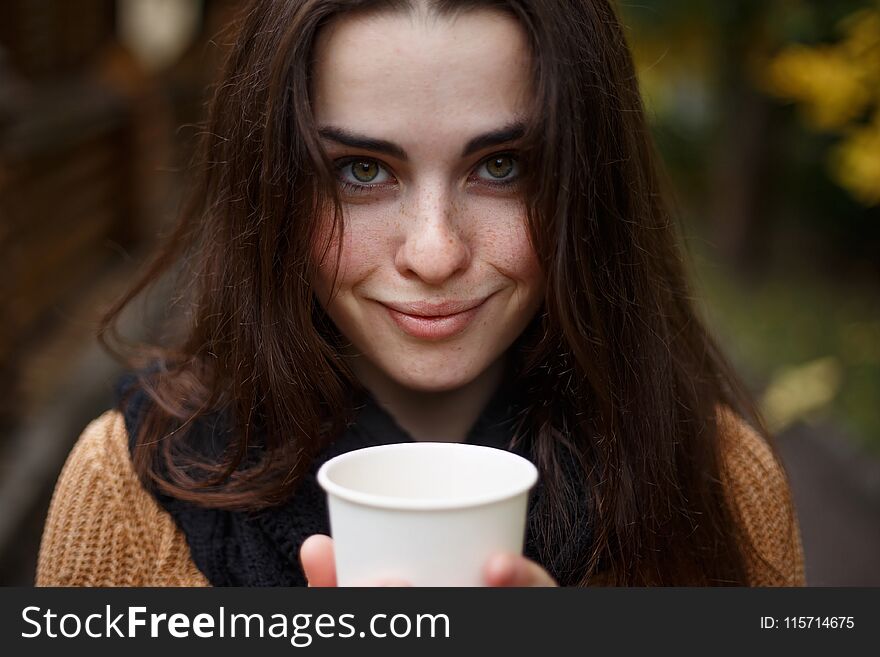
67, 188
91, 156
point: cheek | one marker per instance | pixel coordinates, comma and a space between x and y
327, 255
510, 251
358, 256
524, 265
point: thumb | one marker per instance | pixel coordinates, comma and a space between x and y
316, 556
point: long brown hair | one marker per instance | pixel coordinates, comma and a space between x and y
623, 380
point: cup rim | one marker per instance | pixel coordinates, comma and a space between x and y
389, 502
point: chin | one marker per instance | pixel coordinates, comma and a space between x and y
430, 378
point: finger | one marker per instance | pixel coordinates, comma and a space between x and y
316, 556
515, 570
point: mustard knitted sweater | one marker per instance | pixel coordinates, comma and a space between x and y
105, 529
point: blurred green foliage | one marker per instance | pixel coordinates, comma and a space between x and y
775, 327
768, 119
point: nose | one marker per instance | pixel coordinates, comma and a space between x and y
433, 248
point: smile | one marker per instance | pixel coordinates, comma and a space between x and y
435, 327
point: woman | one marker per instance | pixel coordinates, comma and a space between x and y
427, 220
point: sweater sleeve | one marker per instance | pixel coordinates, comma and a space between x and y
761, 498
103, 528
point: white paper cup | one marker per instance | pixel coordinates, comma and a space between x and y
429, 513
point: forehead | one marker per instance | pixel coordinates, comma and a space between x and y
427, 83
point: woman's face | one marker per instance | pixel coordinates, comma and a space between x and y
420, 117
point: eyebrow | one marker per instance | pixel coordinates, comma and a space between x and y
495, 137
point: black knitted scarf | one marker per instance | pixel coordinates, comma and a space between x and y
240, 548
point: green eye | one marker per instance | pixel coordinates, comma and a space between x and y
361, 174
364, 170
500, 167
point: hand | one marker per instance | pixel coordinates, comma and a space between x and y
515, 570
316, 555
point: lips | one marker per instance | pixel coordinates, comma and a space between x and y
429, 309
434, 321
